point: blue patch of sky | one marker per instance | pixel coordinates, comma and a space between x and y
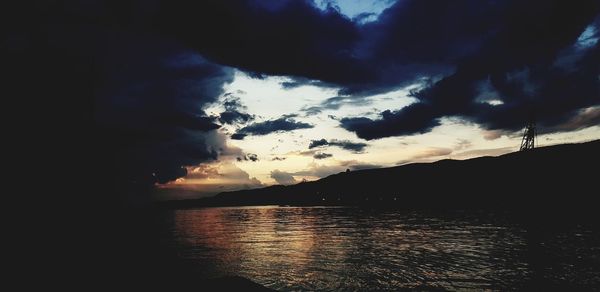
589, 37
361, 11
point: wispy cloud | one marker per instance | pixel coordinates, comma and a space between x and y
356, 147
283, 124
322, 155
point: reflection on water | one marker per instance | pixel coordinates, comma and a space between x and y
329, 248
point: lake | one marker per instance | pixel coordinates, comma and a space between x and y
346, 248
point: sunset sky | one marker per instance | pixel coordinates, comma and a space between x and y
285, 157
192, 98
302, 113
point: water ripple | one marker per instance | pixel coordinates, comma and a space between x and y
334, 248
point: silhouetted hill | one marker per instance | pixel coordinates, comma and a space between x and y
545, 178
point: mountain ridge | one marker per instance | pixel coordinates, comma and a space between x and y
511, 181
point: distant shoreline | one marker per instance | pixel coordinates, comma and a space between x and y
556, 180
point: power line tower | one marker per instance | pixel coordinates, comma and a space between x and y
529, 136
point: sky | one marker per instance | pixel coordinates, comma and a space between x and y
286, 157
191, 98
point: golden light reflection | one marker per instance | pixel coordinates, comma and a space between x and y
325, 247
252, 233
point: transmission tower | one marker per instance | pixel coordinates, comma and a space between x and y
528, 141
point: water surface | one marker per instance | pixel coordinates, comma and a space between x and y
344, 248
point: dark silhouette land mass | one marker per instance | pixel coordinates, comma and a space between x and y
548, 178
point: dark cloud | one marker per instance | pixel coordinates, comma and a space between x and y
413, 39
317, 143
585, 118
283, 124
410, 120
238, 136
289, 116
277, 158
234, 111
299, 81
235, 117
335, 103
409, 40
311, 110
344, 144
348, 145
293, 39
518, 64
135, 96
232, 103
248, 157
150, 113
466, 41
283, 178
322, 155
